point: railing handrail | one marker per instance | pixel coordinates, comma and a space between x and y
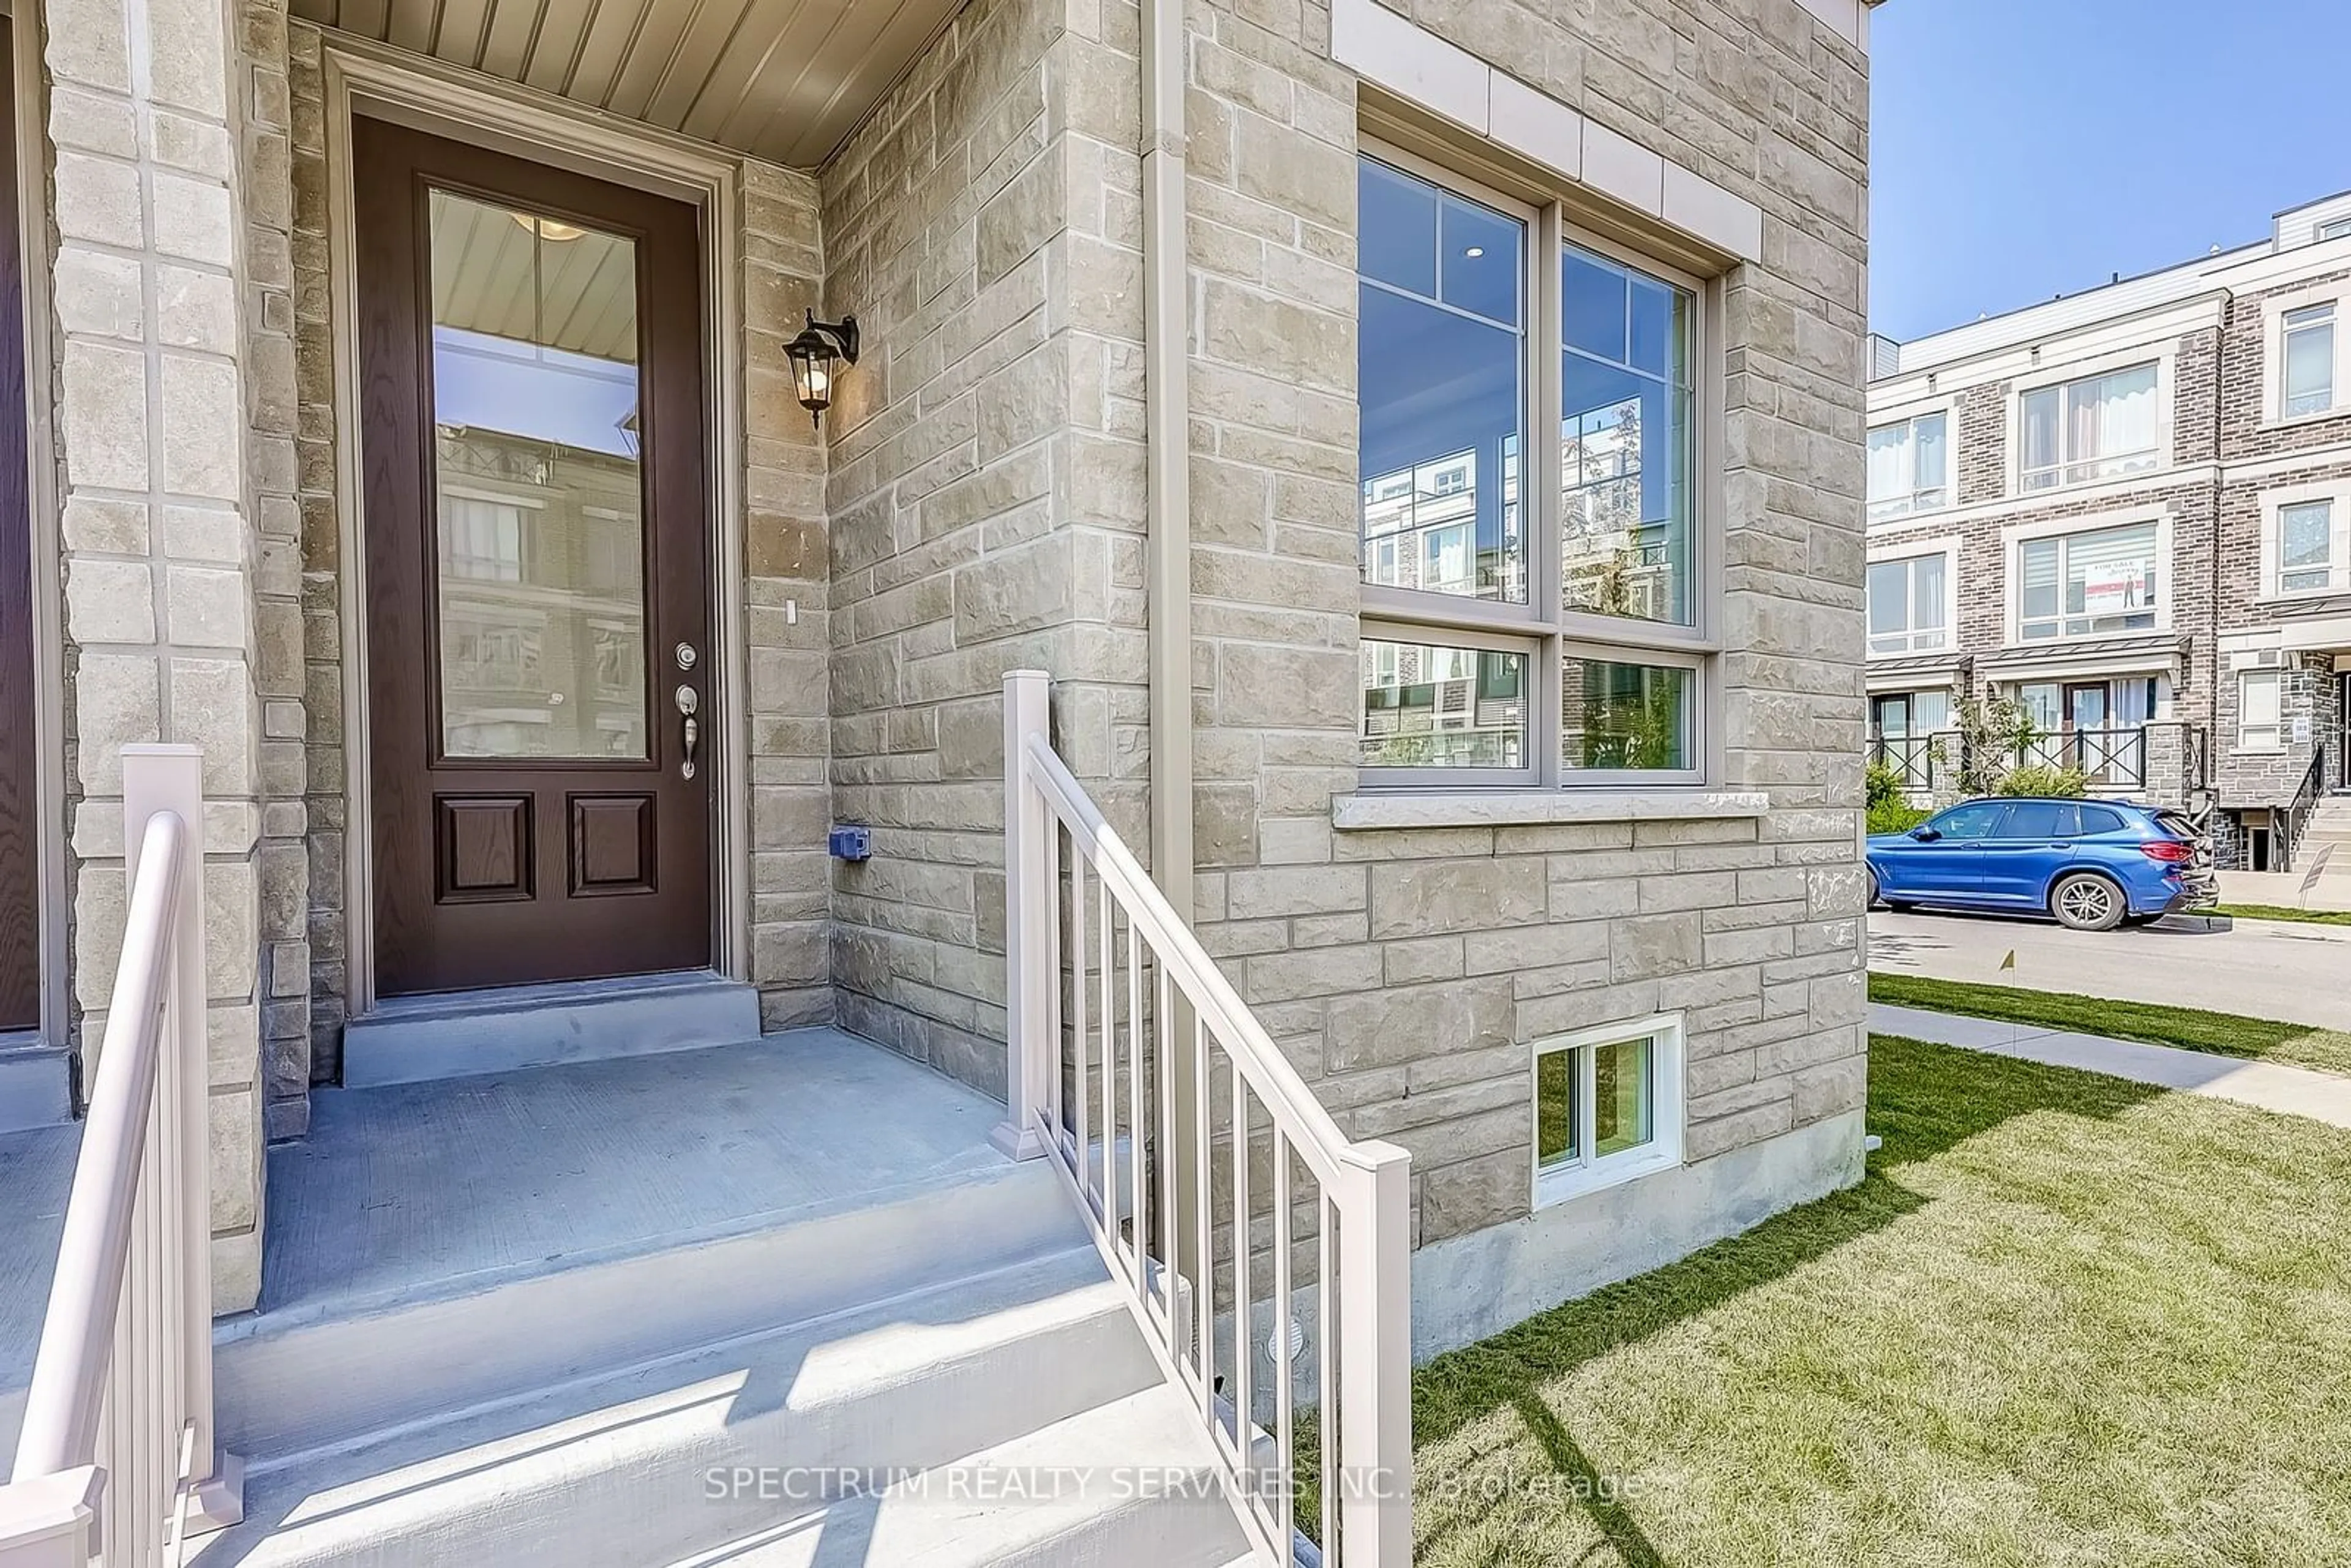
1309, 1127
1195, 1300
116, 1464
68, 1387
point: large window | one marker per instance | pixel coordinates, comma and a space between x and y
1607, 1106
2310, 548
2089, 584
2260, 711
1909, 604
1909, 466
2306, 360
2095, 428
1553, 634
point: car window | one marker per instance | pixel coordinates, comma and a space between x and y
2098, 820
1974, 821
2041, 820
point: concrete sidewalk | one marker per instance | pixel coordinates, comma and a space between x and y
2270, 1086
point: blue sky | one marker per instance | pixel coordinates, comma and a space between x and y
2026, 148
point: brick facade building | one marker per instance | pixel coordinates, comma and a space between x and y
2129, 511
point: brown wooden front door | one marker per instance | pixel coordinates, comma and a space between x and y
537, 561
20, 838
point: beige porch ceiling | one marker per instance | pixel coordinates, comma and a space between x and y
785, 81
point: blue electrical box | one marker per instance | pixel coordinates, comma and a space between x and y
853, 843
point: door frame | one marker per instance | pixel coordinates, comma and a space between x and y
364, 76
30, 130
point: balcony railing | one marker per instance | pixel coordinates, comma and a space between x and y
115, 1465
1245, 1226
2165, 759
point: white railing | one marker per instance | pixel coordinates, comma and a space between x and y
116, 1464
1206, 1168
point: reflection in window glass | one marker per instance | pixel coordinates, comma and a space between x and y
1556, 1112
1441, 387
1624, 431
1442, 707
2305, 547
1626, 716
540, 590
1624, 1104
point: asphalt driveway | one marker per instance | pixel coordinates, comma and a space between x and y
2258, 969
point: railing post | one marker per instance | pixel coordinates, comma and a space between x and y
1027, 919
1374, 1278
171, 778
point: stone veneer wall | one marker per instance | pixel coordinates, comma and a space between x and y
986, 491
167, 571
1406, 972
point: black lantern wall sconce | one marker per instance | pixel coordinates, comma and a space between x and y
817, 355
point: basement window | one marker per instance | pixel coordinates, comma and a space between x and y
1607, 1106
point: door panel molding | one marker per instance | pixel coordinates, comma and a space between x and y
359, 76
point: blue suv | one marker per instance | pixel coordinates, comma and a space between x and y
2094, 864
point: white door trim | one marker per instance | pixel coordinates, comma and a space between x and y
449, 101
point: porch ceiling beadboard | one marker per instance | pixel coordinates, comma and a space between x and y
785, 81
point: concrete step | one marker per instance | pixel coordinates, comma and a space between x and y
1106, 1522
889, 1434
408, 1040
36, 1085
317, 1376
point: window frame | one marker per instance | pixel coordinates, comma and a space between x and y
2275, 309
1907, 554
2274, 504
1667, 1039
1542, 628
2012, 552
2275, 677
1878, 512
2060, 380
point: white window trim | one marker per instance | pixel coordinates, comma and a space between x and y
2012, 541
1542, 628
2274, 311
1881, 418
2274, 503
1664, 1150
1948, 548
2164, 357
2277, 748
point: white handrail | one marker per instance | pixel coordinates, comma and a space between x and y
115, 1464
1095, 1092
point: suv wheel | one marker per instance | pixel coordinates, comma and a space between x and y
2088, 902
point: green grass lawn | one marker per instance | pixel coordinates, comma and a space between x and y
2282, 912
2064, 1320
2223, 1034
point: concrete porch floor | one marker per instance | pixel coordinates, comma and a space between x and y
35, 1175
404, 1190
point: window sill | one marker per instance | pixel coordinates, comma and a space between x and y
1369, 812
1565, 1185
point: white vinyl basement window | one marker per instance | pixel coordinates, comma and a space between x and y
1532, 548
1909, 466
1607, 1106
2095, 428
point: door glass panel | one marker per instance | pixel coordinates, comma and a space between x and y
538, 485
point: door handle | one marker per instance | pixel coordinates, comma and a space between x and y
688, 704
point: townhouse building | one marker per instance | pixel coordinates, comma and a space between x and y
2128, 511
